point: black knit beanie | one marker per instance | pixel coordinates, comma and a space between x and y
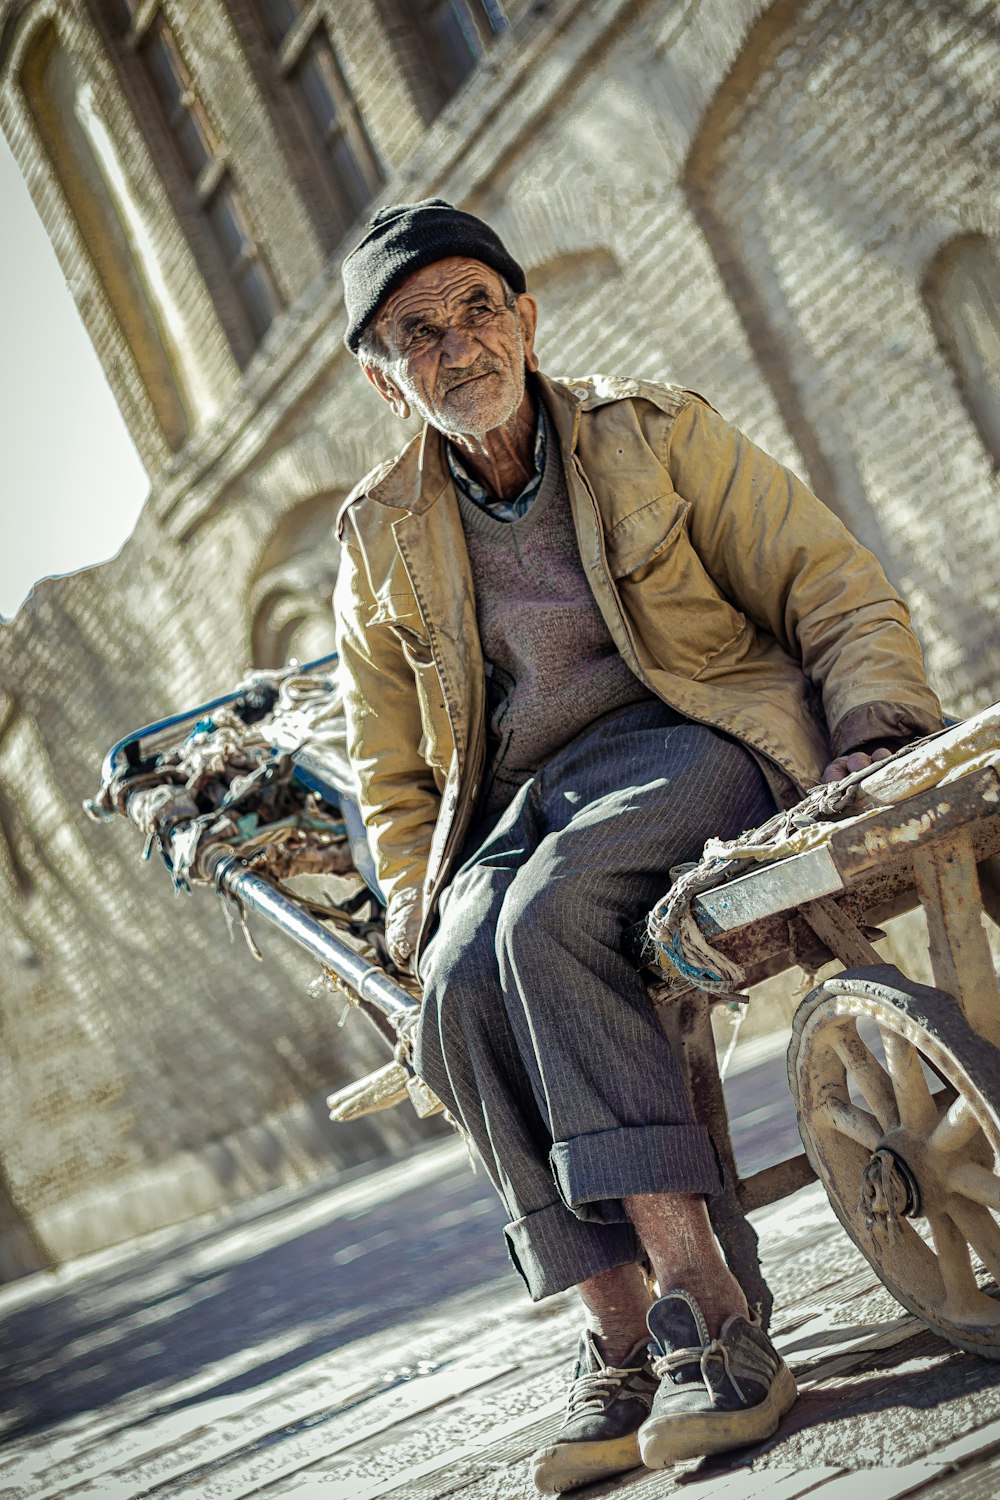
405, 237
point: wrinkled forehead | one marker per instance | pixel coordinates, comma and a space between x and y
444, 286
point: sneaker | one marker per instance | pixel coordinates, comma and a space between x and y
606, 1408
714, 1394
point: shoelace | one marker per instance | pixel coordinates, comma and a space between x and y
596, 1390
666, 1364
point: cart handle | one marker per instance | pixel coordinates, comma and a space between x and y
369, 981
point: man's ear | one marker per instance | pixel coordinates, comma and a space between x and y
388, 390
527, 311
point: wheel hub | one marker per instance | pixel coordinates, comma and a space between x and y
889, 1192
913, 1172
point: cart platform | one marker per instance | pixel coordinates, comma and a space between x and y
896, 1083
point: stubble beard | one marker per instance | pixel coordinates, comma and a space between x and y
485, 414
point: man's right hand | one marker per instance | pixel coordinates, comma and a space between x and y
855, 760
402, 924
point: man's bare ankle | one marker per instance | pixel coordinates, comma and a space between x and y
677, 1234
616, 1302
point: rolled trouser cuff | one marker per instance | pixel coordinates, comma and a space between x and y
551, 1249
635, 1159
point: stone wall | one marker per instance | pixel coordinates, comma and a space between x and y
745, 199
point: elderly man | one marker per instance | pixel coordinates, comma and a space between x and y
583, 627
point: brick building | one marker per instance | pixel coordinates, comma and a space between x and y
790, 207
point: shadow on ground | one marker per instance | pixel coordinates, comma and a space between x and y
156, 1320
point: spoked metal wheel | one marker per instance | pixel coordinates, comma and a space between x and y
898, 1103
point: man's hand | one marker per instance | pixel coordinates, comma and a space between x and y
855, 761
402, 924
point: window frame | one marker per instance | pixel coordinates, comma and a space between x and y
193, 195
333, 209
486, 31
163, 415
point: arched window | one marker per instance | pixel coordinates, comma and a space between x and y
110, 221
962, 291
318, 115
33, 809
152, 61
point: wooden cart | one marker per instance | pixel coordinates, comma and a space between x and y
896, 1083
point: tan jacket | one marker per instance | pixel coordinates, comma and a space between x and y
727, 586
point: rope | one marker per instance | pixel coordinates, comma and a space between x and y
678, 943
885, 1197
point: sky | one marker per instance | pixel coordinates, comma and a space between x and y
71, 483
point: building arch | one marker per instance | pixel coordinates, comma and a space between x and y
832, 163
290, 598
567, 285
962, 290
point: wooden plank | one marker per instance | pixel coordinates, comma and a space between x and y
471, 1436
251, 1470
900, 830
473, 1469
849, 1356
889, 837
688, 1025
814, 1349
772, 1183
948, 886
911, 1478
504, 1445
507, 1446
973, 736
771, 889
327, 1397
841, 935
777, 1482
155, 1451
977, 1481
199, 1424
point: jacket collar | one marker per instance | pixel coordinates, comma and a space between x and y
417, 478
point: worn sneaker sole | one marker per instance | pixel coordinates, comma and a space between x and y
675, 1437
563, 1466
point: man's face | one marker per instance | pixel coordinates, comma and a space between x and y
457, 352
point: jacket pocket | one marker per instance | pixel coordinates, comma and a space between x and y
397, 613
416, 647
677, 612
636, 539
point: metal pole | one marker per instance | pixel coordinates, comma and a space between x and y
368, 980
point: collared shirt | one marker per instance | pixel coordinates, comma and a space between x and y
501, 510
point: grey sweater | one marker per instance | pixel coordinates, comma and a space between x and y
552, 666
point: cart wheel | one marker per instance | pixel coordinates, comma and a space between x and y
898, 1104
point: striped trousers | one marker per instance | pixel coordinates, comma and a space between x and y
536, 1032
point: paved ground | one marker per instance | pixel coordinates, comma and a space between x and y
368, 1342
